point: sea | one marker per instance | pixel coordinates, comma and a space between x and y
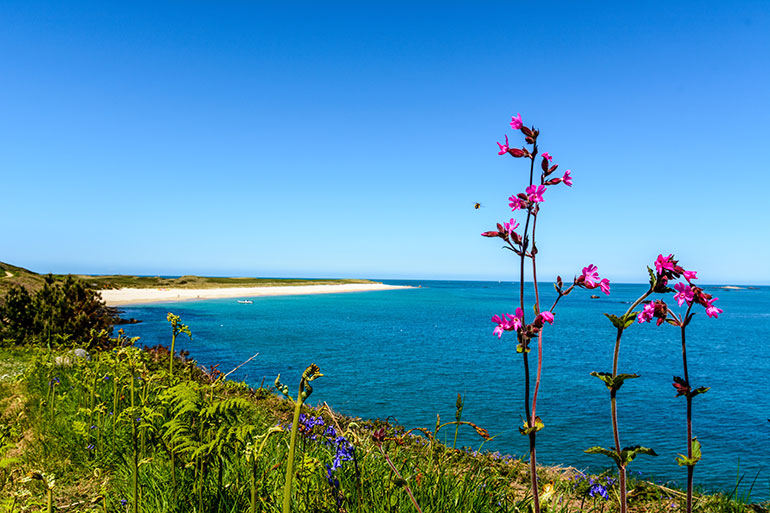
405, 355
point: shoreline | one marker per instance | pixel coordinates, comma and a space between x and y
119, 297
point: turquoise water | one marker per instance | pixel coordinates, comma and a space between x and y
407, 353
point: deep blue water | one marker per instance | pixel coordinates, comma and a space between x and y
407, 353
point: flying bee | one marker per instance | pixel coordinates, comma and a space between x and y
477, 206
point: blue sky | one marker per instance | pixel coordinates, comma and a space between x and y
247, 138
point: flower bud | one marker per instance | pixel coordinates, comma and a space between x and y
379, 436
553, 181
526, 131
490, 234
517, 152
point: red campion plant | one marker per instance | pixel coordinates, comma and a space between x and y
666, 270
689, 294
528, 203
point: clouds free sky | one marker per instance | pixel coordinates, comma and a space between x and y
309, 139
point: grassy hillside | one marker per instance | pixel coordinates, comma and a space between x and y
10, 275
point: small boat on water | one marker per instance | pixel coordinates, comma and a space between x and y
245, 301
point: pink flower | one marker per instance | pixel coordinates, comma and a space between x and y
590, 276
689, 276
547, 156
711, 310
646, 314
511, 226
516, 122
503, 147
567, 179
535, 193
547, 317
605, 286
507, 322
664, 263
684, 294
516, 203
502, 325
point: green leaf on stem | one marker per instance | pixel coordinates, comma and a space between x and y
629, 319
615, 320
613, 383
684, 461
699, 390
629, 453
623, 321
537, 427
604, 376
610, 453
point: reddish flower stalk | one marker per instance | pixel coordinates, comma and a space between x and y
690, 294
666, 269
524, 246
688, 396
378, 437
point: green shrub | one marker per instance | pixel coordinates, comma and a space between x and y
62, 312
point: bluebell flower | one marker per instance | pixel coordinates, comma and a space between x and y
345, 452
599, 490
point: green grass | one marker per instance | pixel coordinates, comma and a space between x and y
204, 444
13, 361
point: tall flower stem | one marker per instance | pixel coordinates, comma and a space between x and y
614, 410
533, 416
524, 343
688, 397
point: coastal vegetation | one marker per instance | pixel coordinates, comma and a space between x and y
114, 431
33, 281
57, 313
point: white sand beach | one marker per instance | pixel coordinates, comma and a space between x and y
117, 297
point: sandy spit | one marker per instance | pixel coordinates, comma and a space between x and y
117, 297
